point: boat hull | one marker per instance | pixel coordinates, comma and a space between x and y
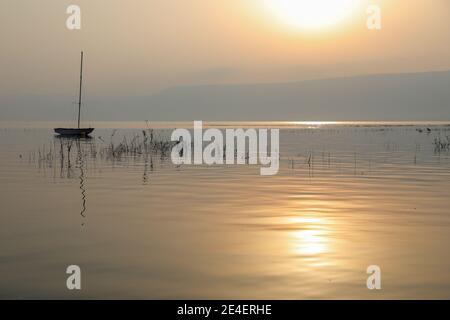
74, 132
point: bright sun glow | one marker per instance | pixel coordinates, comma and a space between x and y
312, 14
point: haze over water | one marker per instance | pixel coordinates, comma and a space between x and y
348, 195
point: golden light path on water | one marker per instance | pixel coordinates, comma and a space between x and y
312, 240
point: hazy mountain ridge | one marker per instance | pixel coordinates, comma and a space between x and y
412, 96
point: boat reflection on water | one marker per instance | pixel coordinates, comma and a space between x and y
66, 145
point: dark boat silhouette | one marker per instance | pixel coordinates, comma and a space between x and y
76, 132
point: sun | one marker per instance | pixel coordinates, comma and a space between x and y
313, 14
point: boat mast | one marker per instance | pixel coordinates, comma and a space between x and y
79, 96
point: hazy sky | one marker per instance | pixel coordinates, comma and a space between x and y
139, 47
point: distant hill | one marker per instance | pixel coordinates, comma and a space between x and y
415, 96
412, 96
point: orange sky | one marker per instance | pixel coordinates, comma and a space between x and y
142, 46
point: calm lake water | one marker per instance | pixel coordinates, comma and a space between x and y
348, 195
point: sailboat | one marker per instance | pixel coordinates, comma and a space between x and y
77, 132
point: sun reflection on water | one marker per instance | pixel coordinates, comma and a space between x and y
311, 236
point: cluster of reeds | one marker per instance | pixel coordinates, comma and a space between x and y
139, 145
441, 144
